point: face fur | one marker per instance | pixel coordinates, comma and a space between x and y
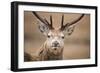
55, 39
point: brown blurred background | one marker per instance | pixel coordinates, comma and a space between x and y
77, 45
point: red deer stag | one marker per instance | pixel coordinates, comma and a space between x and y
53, 47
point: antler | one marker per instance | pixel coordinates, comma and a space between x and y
44, 20
71, 23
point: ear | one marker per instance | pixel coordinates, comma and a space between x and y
69, 30
44, 29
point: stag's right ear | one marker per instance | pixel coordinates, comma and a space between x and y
44, 29
69, 30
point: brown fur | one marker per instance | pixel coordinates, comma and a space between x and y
45, 54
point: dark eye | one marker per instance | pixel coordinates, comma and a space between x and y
48, 36
62, 37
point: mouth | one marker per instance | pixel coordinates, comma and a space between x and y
55, 48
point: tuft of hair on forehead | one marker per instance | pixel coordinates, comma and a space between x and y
55, 33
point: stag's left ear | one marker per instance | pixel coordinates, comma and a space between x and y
69, 30
44, 29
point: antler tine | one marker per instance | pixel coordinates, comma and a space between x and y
39, 17
75, 21
62, 21
51, 21
71, 23
43, 20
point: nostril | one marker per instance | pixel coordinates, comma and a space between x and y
55, 44
55, 48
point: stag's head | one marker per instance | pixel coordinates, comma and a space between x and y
55, 37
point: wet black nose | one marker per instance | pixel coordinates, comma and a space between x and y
55, 44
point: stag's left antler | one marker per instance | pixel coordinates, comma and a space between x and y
71, 23
44, 20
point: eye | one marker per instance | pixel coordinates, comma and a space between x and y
62, 37
48, 36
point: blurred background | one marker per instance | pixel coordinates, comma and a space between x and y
77, 45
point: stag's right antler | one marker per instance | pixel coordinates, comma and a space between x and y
44, 20
71, 23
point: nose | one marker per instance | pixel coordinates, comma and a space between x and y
55, 44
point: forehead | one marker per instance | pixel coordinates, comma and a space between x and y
55, 33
